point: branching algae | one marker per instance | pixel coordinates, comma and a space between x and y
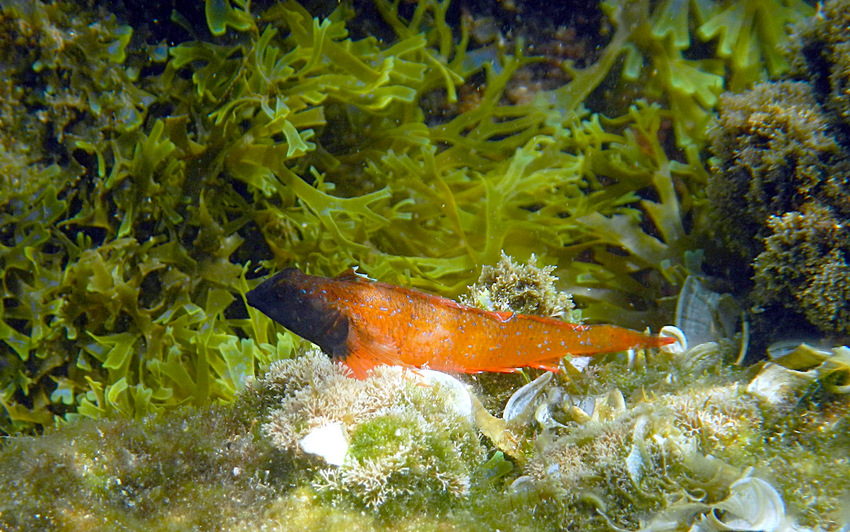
291, 142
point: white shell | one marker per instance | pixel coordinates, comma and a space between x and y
580, 363
596, 408
544, 416
523, 484
577, 414
328, 442
611, 406
635, 465
679, 346
776, 384
753, 504
703, 315
797, 354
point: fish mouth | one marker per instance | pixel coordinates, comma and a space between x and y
288, 300
258, 297
268, 295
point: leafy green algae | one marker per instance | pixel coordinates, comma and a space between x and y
287, 142
123, 271
115, 280
749, 42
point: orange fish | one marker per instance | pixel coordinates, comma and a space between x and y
365, 323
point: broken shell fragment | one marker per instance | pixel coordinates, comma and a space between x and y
797, 354
544, 416
677, 347
611, 406
831, 368
605, 408
776, 384
328, 442
525, 396
635, 465
577, 414
753, 504
838, 363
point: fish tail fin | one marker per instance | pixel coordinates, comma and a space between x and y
651, 342
596, 339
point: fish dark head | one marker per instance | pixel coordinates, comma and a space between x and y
300, 303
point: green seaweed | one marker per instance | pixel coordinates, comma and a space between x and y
134, 322
221, 15
187, 170
748, 41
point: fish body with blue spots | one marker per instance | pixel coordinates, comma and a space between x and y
365, 323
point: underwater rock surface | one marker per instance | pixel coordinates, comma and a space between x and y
686, 442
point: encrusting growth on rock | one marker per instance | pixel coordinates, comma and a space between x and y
406, 441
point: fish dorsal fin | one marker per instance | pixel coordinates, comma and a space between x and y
347, 275
501, 316
352, 274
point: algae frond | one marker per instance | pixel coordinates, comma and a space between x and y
282, 140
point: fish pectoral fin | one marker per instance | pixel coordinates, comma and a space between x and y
366, 351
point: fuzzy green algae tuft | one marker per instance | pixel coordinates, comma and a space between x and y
779, 184
526, 289
196, 469
408, 449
